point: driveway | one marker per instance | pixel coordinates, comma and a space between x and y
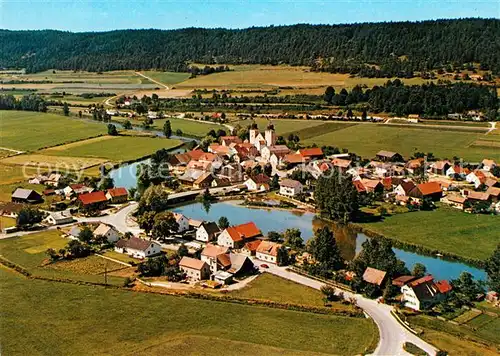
121, 220
392, 334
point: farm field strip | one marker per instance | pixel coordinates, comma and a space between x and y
43, 130
367, 139
44, 161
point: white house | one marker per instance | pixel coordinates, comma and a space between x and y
267, 251
488, 164
237, 236
182, 221
423, 293
290, 187
194, 269
258, 183
138, 248
477, 178
207, 232
59, 218
107, 231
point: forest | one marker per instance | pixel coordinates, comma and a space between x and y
398, 47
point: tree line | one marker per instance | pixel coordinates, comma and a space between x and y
398, 46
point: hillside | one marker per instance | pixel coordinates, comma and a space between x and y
399, 46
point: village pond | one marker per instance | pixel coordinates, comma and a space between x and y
348, 239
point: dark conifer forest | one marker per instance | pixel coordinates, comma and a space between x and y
395, 48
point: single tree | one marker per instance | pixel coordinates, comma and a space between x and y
167, 129
127, 125
112, 131
325, 251
65, 109
293, 238
182, 251
419, 270
86, 235
223, 222
492, 268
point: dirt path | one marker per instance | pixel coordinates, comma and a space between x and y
152, 80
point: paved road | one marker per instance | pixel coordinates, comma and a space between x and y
392, 334
151, 79
120, 220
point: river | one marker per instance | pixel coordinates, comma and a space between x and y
348, 240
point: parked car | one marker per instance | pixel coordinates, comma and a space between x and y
264, 265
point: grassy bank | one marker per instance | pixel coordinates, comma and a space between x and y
469, 236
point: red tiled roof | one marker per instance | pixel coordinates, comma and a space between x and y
213, 250
290, 183
429, 188
248, 230
402, 280
421, 280
261, 179
494, 191
294, 158
253, 245
195, 154
224, 260
311, 152
268, 248
342, 163
93, 198
443, 286
118, 192
359, 186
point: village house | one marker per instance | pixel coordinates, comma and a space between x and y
227, 140
476, 177
26, 196
59, 218
190, 176
250, 248
457, 172
474, 196
220, 182
138, 248
233, 172
117, 195
180, 159
216, 257
260, 183
294, 159
413, 164
107, 231
237, 236
439, 167
456, 201
240, 264
404, 188
207, 232
95, 200
182, 221
194, 269
278, 150
494, 193
290, 187
311, 153
423, 293
488, 164
402, 280
267, 251
342, 164
364, 185
76, 189
491, 182
203, 181
387, 156
374, 276
10, 209
430, 190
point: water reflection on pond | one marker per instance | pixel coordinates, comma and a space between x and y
349, 240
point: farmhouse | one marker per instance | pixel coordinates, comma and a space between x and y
59, 218
488, 164
138, 248
227, 140
424, 293
108, 232
387, 156
278, 151
237, 236
194, 269
456, 201
342, 164
94, 200
260, 182
290, 187
207, 232
477, 196
250, 248
494, 193
427, 190
294, 159
477, 178
76, 189
117, 195
311, 153
203, 181
240, 264
10, 209
21, 195
182, 221
440, 167
213, 256
268, 251
404, 188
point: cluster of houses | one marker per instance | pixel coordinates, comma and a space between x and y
78, 194
226, 253
417, 293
